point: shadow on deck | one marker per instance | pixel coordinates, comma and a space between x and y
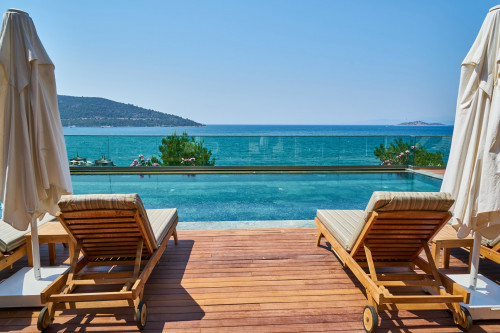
261, 280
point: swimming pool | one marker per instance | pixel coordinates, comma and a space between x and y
255, 196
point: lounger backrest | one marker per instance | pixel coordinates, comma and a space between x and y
398, 222
108, 225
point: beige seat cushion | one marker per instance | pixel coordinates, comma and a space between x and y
400, 201
491, 242
11, 238
161, 221
344, 225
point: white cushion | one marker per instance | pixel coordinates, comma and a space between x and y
11, 238
161, 220
344, 225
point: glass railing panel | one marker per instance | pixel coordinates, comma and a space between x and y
270, 150
377, 150
87, 146
358, 150
317, 150
431, 147
273, 150
125, 149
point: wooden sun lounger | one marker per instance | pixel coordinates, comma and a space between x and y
389, 236
13, 243
491, 249
114, 231
447, 238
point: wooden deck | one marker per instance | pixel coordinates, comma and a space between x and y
437, 171
261, 280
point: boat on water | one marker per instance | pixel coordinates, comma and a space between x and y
79, 161
103, 161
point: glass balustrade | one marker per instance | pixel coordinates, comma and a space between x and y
273, 150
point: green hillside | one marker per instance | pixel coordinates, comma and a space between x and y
95, 111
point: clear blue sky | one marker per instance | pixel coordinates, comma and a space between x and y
264, 61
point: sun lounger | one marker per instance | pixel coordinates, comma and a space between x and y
13, 242
381, 246
112, 230
490, 249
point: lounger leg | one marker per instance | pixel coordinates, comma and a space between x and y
71, 251
175, 236
52, 253
318, 239
371, 301
470, 261
29, 252
436, 253
446, 258
52, 311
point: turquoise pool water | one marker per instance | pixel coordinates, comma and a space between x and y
252, 197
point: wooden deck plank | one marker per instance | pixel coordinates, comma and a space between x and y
262, 280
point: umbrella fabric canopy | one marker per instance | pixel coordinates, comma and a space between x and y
473, 172
33, 161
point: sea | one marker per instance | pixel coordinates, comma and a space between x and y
268, 130
258, 145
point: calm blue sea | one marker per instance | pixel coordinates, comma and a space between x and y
268, 130
257, 145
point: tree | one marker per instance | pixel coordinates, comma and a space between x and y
184, 150
401, 153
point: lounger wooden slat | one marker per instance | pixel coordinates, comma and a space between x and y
98, 213
423, 222
96, 240
491, 254
394, 229
101, 296
112, 275
121, 261
413, 306
102, 228
6, 260
106, 245
103, 225
111, 235
490, 249
93, 305
120, 229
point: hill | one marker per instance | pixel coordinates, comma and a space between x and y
95, 112
420, 123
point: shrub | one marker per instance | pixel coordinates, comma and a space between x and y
184, 150
401, 153
143, 162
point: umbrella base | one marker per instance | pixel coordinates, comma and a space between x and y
485, 300
22, 290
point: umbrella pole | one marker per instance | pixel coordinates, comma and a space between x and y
474, 269
35, 248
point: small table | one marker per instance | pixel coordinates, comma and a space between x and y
445, 240
50, 233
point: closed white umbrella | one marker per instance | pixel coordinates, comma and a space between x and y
473, 171
34, 170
